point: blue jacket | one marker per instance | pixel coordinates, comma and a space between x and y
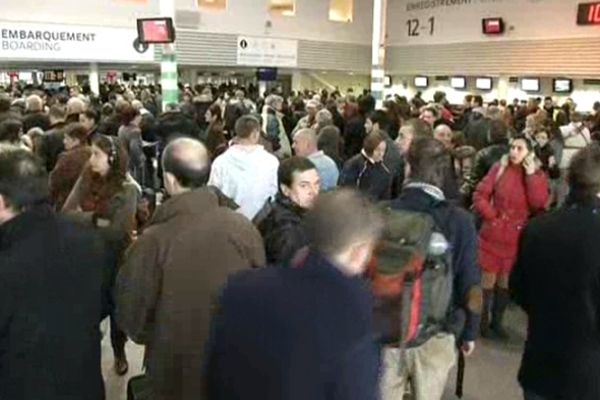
458, 227
294, 334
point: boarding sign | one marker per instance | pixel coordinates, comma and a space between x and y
267, 52
75, 43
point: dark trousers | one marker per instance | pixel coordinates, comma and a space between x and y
118, 338
532, 396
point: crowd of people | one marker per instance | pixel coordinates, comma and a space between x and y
308, 246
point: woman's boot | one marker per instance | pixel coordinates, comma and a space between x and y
488, 296
501, 300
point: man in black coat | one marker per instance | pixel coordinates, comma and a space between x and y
50, 292
281, 227
556, 280
305, 332
51, 144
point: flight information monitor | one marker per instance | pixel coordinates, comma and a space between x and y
588, 13
155, 30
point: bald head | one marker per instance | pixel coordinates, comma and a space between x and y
75, 106
443, 133
305, 142
186, 165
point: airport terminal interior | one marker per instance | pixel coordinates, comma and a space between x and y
299, 199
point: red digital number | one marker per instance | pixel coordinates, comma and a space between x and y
594, 14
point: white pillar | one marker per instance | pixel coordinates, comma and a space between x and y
168, 64
94, 79
378, 50
297, 81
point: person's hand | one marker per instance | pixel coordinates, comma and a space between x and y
529, 164
551, 161
468, 348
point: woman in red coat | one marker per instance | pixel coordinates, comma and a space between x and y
512, 191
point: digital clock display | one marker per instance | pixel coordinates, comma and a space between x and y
588, 13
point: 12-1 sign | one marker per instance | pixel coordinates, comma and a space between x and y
588, 13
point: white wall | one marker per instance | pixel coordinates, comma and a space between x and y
311, 21
525, 19
109, 13
583, 95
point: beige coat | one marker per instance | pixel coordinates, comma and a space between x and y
170, 281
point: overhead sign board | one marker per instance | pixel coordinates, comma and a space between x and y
267, 52
420, 22
52, 42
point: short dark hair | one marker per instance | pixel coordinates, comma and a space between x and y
498, 131
469, 98
288, 167
332, 228
524, 138
24, 180
77, 131
190, 173
91, 114
439, 96
371, 142
433, 110
584, 176
10, 130
245, 126
381, 118
478, 99
429, 161
58, 112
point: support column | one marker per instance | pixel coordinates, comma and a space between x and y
378, 50
168, 63
94, 79
503, 87
297, 81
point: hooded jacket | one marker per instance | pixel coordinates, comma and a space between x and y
247, 175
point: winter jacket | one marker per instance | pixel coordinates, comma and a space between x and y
113, 218
50, 308
556, 280
354, 135
294, 334
51, 145
476, 131
506, 198
167, 287
247, 175
282, 231
131, 138
68, 169
373, 179
35, 120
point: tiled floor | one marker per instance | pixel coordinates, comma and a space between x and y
490, 373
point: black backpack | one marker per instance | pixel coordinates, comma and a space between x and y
412, 279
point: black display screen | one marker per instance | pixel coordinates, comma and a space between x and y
588, 13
